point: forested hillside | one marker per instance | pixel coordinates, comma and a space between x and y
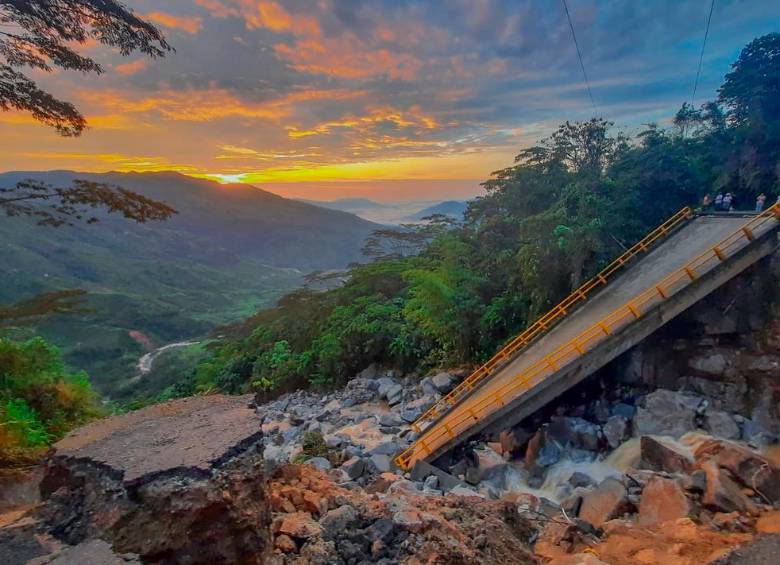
559, 214
229, 250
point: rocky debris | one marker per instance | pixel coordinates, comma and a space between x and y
94, 552
663, 500
658, 455
399, 526
616, 430
721, 493
607, 501
180, 481
442, 382
751, 469
721, 424
667, 413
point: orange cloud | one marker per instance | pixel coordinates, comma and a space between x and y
412, 118
347, 57
188, 24
209, 105
263, 14
131, 68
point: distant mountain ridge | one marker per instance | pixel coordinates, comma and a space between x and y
229, 251
348, 204
453, 208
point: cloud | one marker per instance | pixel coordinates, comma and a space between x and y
132, 67
193, 105
345, 57
263, 14
188, 24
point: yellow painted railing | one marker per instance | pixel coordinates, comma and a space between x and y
546, 322
620, 318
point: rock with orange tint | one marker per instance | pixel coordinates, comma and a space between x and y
578, 559
662, 500
609, 500
658, 455
299, 525
769, 523
285, 544
749, 467
722, 494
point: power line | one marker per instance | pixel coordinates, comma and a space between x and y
579, 54
701, 55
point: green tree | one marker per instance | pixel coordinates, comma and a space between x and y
40, 34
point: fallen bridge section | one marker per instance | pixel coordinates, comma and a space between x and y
683, 269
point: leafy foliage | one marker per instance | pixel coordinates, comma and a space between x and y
444, 293
40, 34
39, 400
56, 206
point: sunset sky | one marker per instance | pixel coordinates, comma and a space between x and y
392, 100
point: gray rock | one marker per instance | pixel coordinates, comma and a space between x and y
354, 467
403, 486
550, 454
574, 432
625, 410
442, 382
431, 482
465, 491
445, 481
333, 441
427, 386
384, 385
616, 431
667, 413
369, 373
713, 364
386, 448
319, 463
756, 434
394, 394
390, 419
410, 414
504, 478
382, 463
291, 434
381, 530
721, 424
336, 521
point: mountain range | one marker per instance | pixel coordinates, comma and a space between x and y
230, 250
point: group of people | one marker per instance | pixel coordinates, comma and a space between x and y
725, 202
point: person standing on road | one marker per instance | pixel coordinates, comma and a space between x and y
719, 201
727, 201
760, 201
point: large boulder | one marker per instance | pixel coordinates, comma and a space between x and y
574, 432
442, 382
659, 455
667, 412
721, 494
606, 502
721, 424
181, 481
750, 468
663, 500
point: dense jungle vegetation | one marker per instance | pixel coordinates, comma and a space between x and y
444, 294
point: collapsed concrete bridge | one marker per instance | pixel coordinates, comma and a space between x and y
675, 266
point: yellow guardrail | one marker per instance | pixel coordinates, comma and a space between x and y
578, 346
546, 322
